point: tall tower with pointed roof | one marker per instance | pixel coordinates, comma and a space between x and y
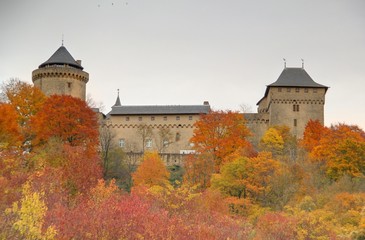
61, 75
292, 100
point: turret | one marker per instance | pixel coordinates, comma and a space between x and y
61, 75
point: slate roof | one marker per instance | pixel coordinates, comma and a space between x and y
61, 57
159, 110
293, 77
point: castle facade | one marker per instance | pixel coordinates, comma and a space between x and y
292, 100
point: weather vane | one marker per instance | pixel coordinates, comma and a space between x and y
302, 63
62, 39
284, 62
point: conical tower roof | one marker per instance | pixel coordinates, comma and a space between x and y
61, 57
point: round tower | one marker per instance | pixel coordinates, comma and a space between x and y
61, 75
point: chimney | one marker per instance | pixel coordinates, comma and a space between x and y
78, 62
206, 103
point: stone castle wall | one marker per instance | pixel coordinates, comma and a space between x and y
168, 133
62, 80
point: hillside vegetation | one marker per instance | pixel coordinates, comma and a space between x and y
55, 180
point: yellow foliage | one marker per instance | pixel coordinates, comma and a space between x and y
151, 172
272, 141
30, 216
103, 191
174, 199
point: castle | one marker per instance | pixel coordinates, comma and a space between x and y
292, 100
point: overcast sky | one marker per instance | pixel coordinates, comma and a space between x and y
183, 52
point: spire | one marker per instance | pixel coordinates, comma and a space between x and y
117, 102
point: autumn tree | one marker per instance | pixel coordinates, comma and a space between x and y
30, 213
312, 135
67, 118
290, 142
219, 134
151, 172
199, 169
247, 177
272, 142
9, 128
27, 101
342, 151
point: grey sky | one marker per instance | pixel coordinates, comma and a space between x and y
171, 52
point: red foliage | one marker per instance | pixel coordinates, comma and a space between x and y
276, 226
67, 118
82, 169
12, 176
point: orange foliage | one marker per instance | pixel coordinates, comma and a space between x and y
198, 170
342, 149
67, 118
26, 100
151, 172
219, 134
9, 128
313, 133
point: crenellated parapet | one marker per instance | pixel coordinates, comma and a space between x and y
298, 101
63, 72
152, 126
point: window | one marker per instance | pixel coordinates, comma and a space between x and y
295, 123
165, 142
127, 118
315, 90
177, 118
190, 117
69, 85
296, 89
177, 137
149, 143
279, 89
122, 142
288, 89
139, 118
306, 90
152, 118
165, 118
295, 108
